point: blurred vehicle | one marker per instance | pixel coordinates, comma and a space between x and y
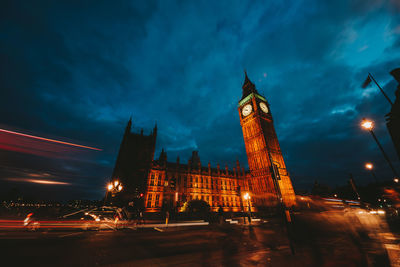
96, 219
111, 216
377, 211
31, 223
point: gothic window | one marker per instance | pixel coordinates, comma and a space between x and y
152, 179
157, 200
149, 198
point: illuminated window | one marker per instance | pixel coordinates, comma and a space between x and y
149, 201
152, 179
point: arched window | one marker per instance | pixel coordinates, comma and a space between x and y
149, 199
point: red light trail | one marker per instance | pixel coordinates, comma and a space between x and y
48, 140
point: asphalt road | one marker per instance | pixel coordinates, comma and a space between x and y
317, 242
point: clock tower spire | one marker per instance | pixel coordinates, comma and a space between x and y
269, 177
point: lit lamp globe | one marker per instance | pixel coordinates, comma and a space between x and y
367, 124
109, 187
369, 166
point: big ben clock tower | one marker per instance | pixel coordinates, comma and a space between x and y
269, 177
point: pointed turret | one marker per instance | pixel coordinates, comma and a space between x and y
128, 125
163, 156
248, 87
155, 130
195, 160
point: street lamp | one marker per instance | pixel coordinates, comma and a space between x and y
247, 197
114, 188
369, 166
396, 180
109, 187
369, 126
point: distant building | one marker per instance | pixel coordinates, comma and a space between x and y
393, 118
160, 184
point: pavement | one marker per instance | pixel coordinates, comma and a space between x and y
318, 240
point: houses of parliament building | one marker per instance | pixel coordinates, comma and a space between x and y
160, 183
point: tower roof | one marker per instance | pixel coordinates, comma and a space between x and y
248, 87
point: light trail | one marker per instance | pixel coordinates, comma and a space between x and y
37, 181
45, 182
48, 140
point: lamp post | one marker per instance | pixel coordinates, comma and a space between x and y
369, 126
113, 188
370, 167
247, 197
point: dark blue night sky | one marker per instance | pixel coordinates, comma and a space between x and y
77, 71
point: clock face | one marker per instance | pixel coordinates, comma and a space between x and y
264, 107
247, 110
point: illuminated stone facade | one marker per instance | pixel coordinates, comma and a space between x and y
162, 185
269, 177
172, 184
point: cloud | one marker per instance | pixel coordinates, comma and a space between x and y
79, 70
